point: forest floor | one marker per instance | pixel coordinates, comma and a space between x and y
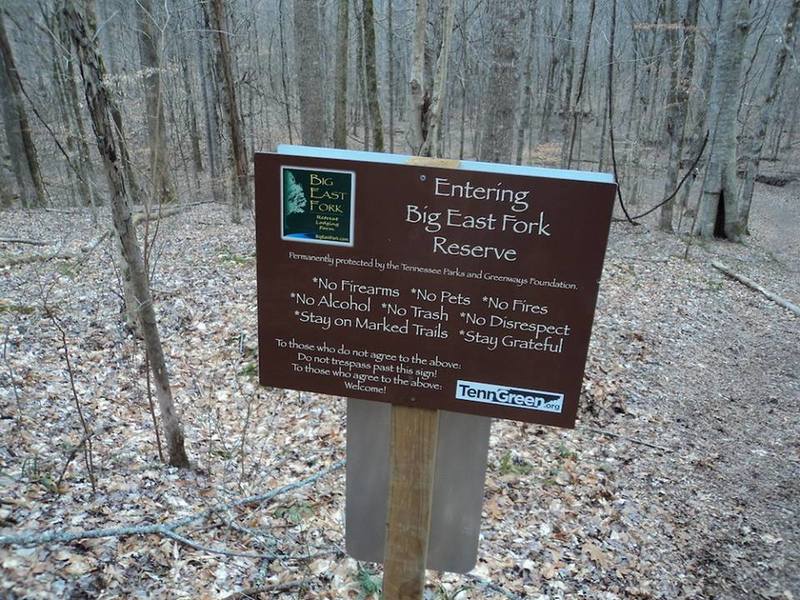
681, 479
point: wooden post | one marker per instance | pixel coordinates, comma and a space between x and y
412, 466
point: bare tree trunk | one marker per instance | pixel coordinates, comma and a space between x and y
390, 70
20, 120
340, 102
527, 95
191, 110
718, 213
240, 188
287, 104
416, 121
308, 50
210, 91
368, 16
99, 102
579, 94
497, 139
678, 100
432, 146
755, 143
568, 50
162, 188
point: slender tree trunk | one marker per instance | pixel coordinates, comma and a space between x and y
390, 70
308, 50
579, 94
240, 196
287, 103
19, 120
340, 102
416, 121
368, 15
755, 143
191, 111
718, 213
678, 101
432, 145
99, 101
568, 49
527, 95
210, 91
497, 138
162, 188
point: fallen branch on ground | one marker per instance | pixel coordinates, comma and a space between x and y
628, 439
268, 589
791, 307
23, 241
169, 529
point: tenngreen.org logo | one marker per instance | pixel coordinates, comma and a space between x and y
512, 397
317, 206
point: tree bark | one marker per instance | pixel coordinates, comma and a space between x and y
240, 187
417, 118
568, 50
432, 146
718, 213
308, 51
19, 120
755, 143
371, 75
162, 188
340, 101
497, 137
678, 101
575, 116
99, 103
527, 95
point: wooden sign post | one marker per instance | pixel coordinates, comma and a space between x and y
412, 470
452, 291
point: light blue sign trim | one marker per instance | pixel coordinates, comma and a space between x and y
468, 165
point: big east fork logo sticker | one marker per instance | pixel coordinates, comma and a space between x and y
317, 206
513, 397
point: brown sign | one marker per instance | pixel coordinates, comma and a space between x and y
469, 290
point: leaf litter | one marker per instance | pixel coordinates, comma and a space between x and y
680, 481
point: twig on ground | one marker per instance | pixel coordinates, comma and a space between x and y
790, 306
628, 439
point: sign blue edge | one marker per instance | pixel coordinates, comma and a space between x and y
468, 165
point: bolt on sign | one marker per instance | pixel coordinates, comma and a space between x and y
468, 289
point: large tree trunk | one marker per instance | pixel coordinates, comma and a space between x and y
240, 188
162, 188
99, 103
678, 100
755, 143
497, 138
308, 51
30, 177
718, 214
340, 98
416, 123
